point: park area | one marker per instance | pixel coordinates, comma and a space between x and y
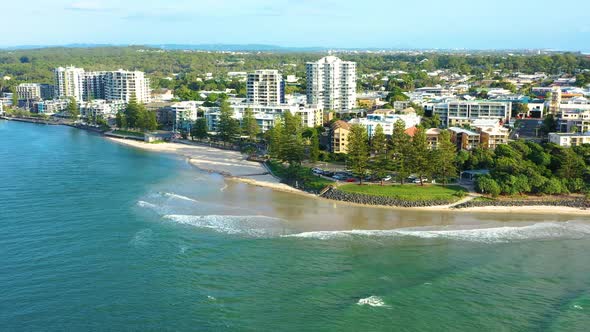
408, 192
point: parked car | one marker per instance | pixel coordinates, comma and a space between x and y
418, 180
317, 171
338, 176
351, 180
387, 178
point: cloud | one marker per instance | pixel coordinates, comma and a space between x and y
88, 6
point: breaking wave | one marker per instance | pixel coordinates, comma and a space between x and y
256, 226
539, 231
177, 196
373, 301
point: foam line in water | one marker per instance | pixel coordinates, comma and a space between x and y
538, 231
148, 205
257, 226
373, 301
177, 196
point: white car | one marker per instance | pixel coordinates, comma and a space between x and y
418, 180
387, 178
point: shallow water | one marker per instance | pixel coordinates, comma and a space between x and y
98, 236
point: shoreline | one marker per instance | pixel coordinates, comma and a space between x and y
233, 166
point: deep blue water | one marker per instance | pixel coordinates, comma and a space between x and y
98, 236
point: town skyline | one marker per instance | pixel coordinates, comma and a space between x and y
303, 24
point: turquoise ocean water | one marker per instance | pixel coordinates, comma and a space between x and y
98, 236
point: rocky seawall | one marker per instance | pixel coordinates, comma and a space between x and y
338, 195
573, 203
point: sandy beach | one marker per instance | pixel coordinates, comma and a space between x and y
234, 166
231, 164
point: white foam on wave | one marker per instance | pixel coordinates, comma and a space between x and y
145, 204
538, 231
373, 301
257, 226
578, 307
177, 196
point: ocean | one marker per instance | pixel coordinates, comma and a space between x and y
99, 236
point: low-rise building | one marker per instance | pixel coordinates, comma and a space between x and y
6, 98
459, 113
387, 121
339, 137
311, 115
433, 138
573, 120
491, 137
101, 108
569, 139
184, 114
464, 139
162, 95
50, 107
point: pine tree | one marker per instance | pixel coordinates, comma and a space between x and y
228, 127
121, 120
275, 135
292, 149
199, 130
379, 161
421, 158
152, 121
400, 147
72, 109
358, 151
314, 147
445, 157
250, 127
132, 114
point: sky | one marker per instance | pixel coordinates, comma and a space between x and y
430, 24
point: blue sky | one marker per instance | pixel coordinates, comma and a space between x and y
328, 23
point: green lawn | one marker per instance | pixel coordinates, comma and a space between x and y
128, 133
409, 192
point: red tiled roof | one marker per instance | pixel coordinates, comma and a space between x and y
411, 131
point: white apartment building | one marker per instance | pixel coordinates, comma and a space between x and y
578, 118
311, 116
331, 83
265, 87
34, 91
458, 113
101, 108
569, 140
184, 114
127, 85
50, 107
69, 82
387, 122
110, 85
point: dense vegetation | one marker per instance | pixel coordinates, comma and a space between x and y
401, 154
530, 168
184, 70
136, 116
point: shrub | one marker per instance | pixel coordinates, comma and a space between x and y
485, 184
